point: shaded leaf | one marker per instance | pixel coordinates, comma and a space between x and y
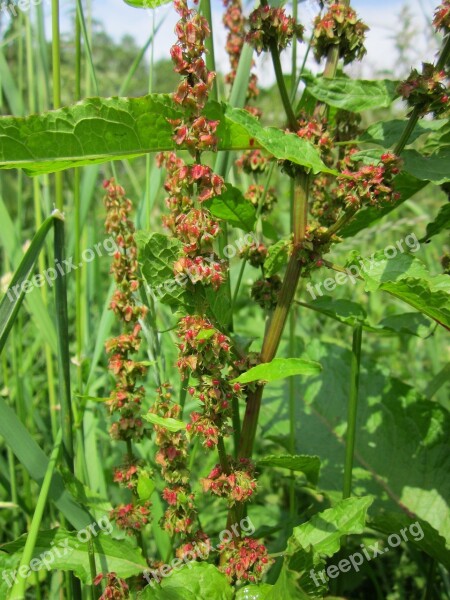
232, 207
407, 278
387, 133
277, 257
309, 465
192, 581
441, 223
352, 94
168, 423
419, 532
119, 556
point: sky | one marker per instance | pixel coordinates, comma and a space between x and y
382, 16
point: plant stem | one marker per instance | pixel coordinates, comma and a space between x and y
352, 410
18, 591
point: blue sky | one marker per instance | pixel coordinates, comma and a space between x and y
381, 15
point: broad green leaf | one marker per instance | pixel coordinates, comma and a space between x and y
418, 532
13, 298
318, 538
387, 133
284, 146
146, 3
277, 257
145, 487
119, 556
253, 592
405, 184
434, 168
98, 130
232, 207
438, 139
407, 278
441, 223
191, 581
394, 421
309, 465
354, 95
169, 423
351, 313
279, 368
157, 255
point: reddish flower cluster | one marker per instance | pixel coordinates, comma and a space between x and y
203, 353
128, 474
272, 26
245, 560
116, 588
371, 184
180, 515
234, 21
130, 517
428, 91
442, 17
265, 291
199, 546
339, 26
255, 253
316, 131
255, 195
252, 162
127, 397
238, 485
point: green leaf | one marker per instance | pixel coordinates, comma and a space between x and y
232, 207
407, 278
434, 167
309, 465
169, 423
317, 538
441, 223
279, 368
387, 133
394, 422
192, 581
253, 592
284, 146
119, 556
354, 95
351, 313
145, 487
421, 534
158, 254
146, 3
277, 257
98, 130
